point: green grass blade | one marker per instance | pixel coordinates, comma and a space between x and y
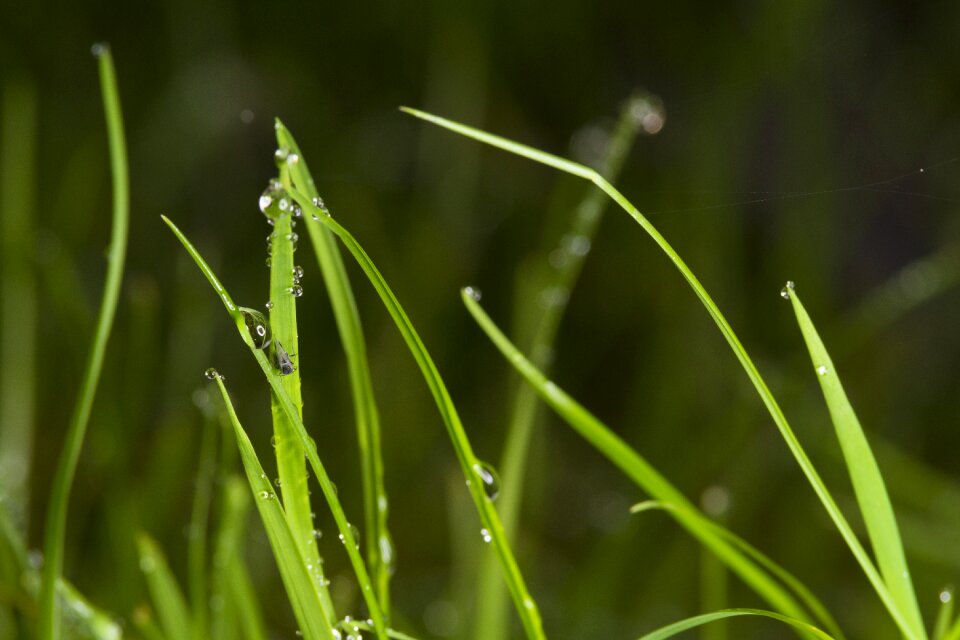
779, 419
942, 624
245, 602
677, 627
954, 632
145, 624
310, 447
637, 468
868, 484
491, 617
18, 304
379, 546
291, 464
298, 578
56, 523
469, 463
168, 600
197, 530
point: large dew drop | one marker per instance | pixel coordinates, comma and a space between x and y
258, 327
488, 478
787, 289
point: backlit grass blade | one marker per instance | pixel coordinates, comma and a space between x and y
944, 615
469, 463
637, 469
868, 484
379, 546
56, 524
671, 630
310, 447
491, 599
297, 577
909, 629
197, 530
291, 464
18, 304
168, 600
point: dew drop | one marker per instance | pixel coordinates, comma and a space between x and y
354, 533
319, 203
258, 327
486, 536
473, 293
787, 288
283, 204
265, 201
265, 495
268, 261
296, 291
293, 237
211, 374
269, 305
489, 477
297, 272
946, 596
99, 49
823, 370
293, 159
281, 155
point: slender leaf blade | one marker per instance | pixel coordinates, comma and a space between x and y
168, 599
683, 625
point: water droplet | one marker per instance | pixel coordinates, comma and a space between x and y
293, 159
318, 203
297, 272
265, 495
473, 293
946, 595
488, 476
354, 533
268, 261
280, 155
823, 370
787, 288
265, 201
268, 304
211, 374
296, 291
296, 212
283, 204
293, 237
257, 326
386, 552
485, 535
715, 500
317, 534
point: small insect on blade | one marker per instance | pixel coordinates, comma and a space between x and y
281, 359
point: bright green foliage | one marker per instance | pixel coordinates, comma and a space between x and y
677, 627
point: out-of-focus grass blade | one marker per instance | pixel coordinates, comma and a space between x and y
297, 577
865, 475
909, 629
168, 600
145, 624
310, 447
18, 303
568, 259
677, 627
944, 615
637, 468
291, 464
469, 463
379, 546
56, 523
197, 531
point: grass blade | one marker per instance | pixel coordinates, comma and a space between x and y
297, 576
168, 600
310, 447
379, 546
56, 523
637, 469
18, 305
829, 503
677, 627
197, 531
942, 625
469, 463
291, 464
868, 485
491, 596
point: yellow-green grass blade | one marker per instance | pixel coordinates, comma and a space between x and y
868, 484
168, 600
378, 543
637, 468
146, 625
491, 617
829, 503
944, 615
310, 447
298, 578
291, 464
671, 630
809, 600
470, 465
18, 286
56, 522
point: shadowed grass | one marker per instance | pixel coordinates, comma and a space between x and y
56, 523
168, 600
907, 626
310, 447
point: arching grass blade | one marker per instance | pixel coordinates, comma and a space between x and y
168, 599
678, 627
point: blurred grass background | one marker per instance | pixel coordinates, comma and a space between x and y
762, 100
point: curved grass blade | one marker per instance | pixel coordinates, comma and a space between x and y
909, 629
637, 469
310, 447
868, 485
469, 463
168, 600
299, 581
942, 624
291, 464
491, 600
677, 627
379, 546
56, 523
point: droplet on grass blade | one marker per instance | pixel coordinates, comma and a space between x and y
258, 327
473, 293
489, 478
211, 374
787, 288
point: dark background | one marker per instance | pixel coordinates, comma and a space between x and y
794, 138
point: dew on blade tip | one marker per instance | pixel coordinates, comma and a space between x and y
473, 293
212, 374
787, 289
823, 370
258, 327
